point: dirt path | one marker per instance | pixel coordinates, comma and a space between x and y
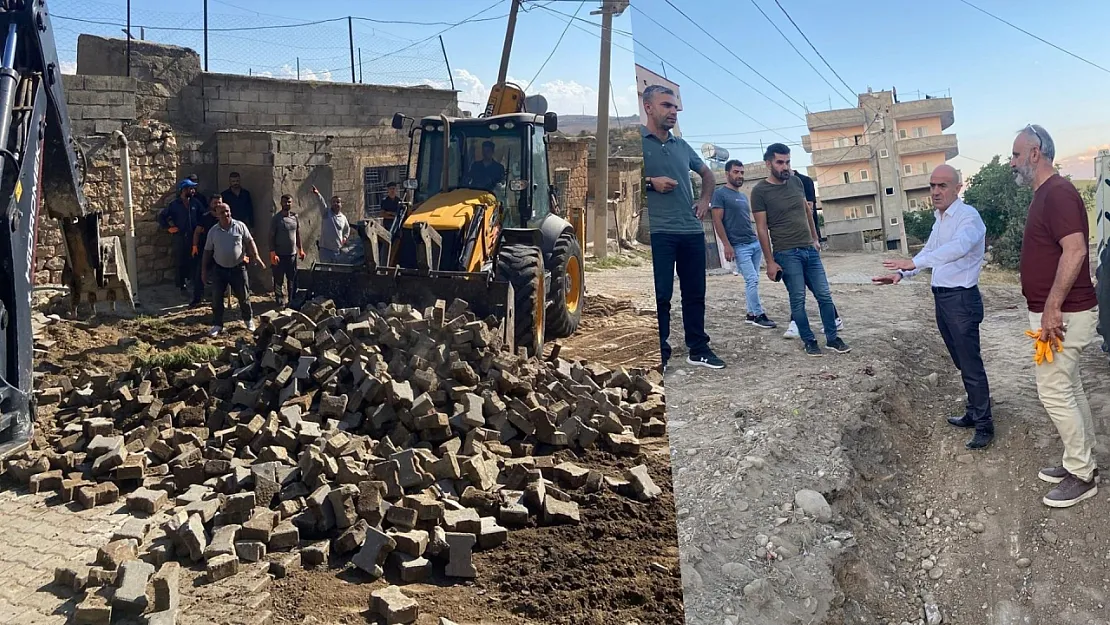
917, 521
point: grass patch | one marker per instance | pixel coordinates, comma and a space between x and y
152, 323
618, 261
177, 358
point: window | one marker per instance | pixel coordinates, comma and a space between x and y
869, 210
840, 142
562, 186
924, 168
853, 212
913, 203
890, 190
541, 197
902, 134
919, 132
864, 175
894, 221
907, 169
884, 154
847, 178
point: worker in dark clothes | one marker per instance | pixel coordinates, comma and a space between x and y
239, 199
203, 221
486, 173
202, 198
226, 255
391, 205
177, 218
285, 249
955, 252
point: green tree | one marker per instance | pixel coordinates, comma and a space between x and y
1004, 206
919, 223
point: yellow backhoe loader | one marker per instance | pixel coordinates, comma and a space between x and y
483, 224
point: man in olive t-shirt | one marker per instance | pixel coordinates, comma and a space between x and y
784, 223
677, 238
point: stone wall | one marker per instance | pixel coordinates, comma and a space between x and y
283, 136
625, 179
567, 158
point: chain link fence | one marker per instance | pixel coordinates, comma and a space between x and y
258, 44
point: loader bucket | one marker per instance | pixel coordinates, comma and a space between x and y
359, 286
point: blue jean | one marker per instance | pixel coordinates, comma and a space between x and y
801, 268
749, 257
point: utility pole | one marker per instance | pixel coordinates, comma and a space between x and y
608, 9
205, 35
510, 30
351, 40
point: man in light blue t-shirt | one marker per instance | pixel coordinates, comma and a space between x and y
732, 219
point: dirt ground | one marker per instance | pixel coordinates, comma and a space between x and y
542, 575
921, 528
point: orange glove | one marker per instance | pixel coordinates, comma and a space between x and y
273, 259
195, 250
246, 259
300, 254
173, 229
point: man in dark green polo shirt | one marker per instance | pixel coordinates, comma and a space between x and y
677, 238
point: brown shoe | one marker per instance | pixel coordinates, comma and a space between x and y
1055, 475
1069, 492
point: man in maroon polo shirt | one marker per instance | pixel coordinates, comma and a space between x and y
1056, 283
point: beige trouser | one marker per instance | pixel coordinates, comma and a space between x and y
1061, 391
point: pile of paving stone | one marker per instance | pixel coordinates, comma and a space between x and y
399, 439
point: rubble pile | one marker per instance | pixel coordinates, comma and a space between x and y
399, 439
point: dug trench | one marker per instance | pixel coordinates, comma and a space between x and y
831, 490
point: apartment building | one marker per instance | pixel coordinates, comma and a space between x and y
872, 163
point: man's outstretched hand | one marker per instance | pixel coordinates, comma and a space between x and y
893, 278
901, 264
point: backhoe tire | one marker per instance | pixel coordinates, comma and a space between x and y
568, 287
522, 266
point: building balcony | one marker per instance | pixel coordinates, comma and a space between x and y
923, 109
832, 120
848, 226
849, 154
915, 182
844, 191
924, 145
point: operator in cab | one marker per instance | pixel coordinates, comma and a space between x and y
486, 173
390, 206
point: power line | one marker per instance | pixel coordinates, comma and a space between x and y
721, 67
821, 56
276, 26
641, 46
795, 48
564, 34
727, 49
1042, 40
750, 132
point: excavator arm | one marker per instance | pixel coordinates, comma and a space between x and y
39, 171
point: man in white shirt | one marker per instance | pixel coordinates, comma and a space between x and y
955, 254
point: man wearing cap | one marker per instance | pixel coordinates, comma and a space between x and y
285, 249
334, 228
178, 219
486, 173
224, 253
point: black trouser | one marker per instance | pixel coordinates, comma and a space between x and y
959, 313
236, 278
686, 254
285, 271
183, 257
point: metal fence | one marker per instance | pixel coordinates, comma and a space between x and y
354, 49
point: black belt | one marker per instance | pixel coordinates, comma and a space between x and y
953, 289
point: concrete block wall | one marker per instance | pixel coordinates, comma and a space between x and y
571, 153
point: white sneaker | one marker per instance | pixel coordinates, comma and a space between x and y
839, 324
791, 332
215, 331
250, 325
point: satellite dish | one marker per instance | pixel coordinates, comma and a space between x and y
713, 153
535, 104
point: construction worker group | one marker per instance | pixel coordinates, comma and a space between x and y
213, 243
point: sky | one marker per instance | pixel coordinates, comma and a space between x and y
391, 52
998, 78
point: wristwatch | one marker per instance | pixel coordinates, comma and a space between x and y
647, 183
